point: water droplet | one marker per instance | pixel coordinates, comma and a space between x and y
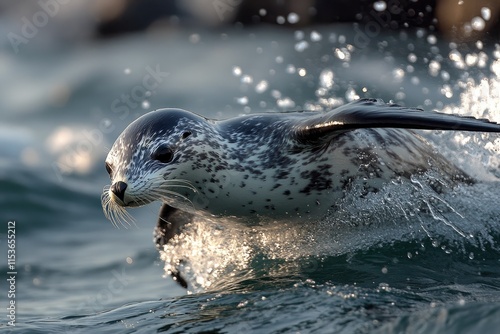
127, 71
431, 39
398, 74
302, 72
301, 46
290, 69
434, 68
340, 54
237, 71
410, 255
316, 36
242, 100
293, 18
400, 96
321, 91
496, 53
262, 12
280, 20
351, 95
145, 104
486, 13
495, 68
384, 270
286, 103
435, 243
457, 59
379, 6
467, 28
246, 79
471, 255
261, 87
326, 79
477, 23
479, 45
299, 34
279, 59
445, 75
471, 59
412, 58
447, 91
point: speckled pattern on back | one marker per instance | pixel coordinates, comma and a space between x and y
253, 166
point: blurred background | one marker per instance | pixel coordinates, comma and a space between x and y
75, 73
79, 20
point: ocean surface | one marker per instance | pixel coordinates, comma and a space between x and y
402, 260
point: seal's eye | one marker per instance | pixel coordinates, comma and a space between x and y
109, 169
163, 154
186, 134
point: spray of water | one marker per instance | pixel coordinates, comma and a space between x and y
215, 254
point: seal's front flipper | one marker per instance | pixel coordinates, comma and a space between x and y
170, 223
371, 113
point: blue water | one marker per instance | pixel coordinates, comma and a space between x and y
376, 265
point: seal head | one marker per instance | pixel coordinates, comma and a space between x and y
145, 162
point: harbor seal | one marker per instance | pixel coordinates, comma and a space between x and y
287, 165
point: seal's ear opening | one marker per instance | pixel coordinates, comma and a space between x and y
371, 113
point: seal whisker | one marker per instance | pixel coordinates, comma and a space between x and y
107, 205
167, 195
124, 217
145, 199
177, 183
115, 213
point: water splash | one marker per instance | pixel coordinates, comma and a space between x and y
214, 254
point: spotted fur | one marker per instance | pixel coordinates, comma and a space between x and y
257, 166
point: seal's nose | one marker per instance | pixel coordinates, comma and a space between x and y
118, 188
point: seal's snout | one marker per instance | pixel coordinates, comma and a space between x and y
118, 188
